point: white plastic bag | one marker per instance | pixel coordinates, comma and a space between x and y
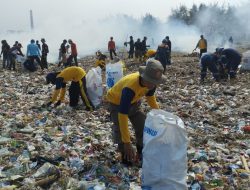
245, 65
114, 72
94, 85
164, 152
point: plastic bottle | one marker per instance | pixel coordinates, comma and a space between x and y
241, 124
26, 154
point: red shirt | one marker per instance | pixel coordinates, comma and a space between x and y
111, 45
73, 49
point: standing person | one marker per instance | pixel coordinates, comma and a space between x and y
124, 103
138, 49
111, 48
169, 47
38, 45
144, 46
77, 76
208, 61
33, 53
131, 48
231, 41
63, 54
162, 54
202, 45
13, 52
45, 51
4, 52
73, 54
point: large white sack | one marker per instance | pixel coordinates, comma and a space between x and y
245, 64
114, 72
164, 152
94, 85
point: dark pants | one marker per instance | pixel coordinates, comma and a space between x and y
35, 57
202, 51
232, 67
44, 62
210, 67
75, 91
131, 53
5, 60
12, 61
70, 59
111, 52
136, 117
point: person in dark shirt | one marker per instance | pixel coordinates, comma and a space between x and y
144, 46
169, 47
138, 49
38, 45
63, 54
209, 61
45, 51
232, 59
162, 54
13, 52
4, 52
131, 47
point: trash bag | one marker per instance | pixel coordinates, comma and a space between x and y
94, 85
164, 152
29, 65
114, 72
245, 65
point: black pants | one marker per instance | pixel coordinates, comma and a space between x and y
76, 91
5, 60
112, 51
202, 51
44, 62
12, 61
35, 57
212, 68
131, 53
70, 59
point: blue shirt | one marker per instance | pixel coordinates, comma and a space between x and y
33, 50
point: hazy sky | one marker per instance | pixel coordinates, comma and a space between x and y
56, 20
14, 14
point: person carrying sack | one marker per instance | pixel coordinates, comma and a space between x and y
77, 76
124, 103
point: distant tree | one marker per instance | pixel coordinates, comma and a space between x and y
193, 13
213, 20
180, 14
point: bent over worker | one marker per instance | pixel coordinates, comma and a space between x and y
208, 61
77, 87
124, 103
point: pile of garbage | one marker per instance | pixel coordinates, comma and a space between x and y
61, 148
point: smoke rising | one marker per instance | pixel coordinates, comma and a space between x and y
91, 34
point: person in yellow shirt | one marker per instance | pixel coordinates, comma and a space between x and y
202, 45
77, 88
124, 103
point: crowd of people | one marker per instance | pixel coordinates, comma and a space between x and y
223, 63
124, 97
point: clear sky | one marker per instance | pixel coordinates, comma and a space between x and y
14, 14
